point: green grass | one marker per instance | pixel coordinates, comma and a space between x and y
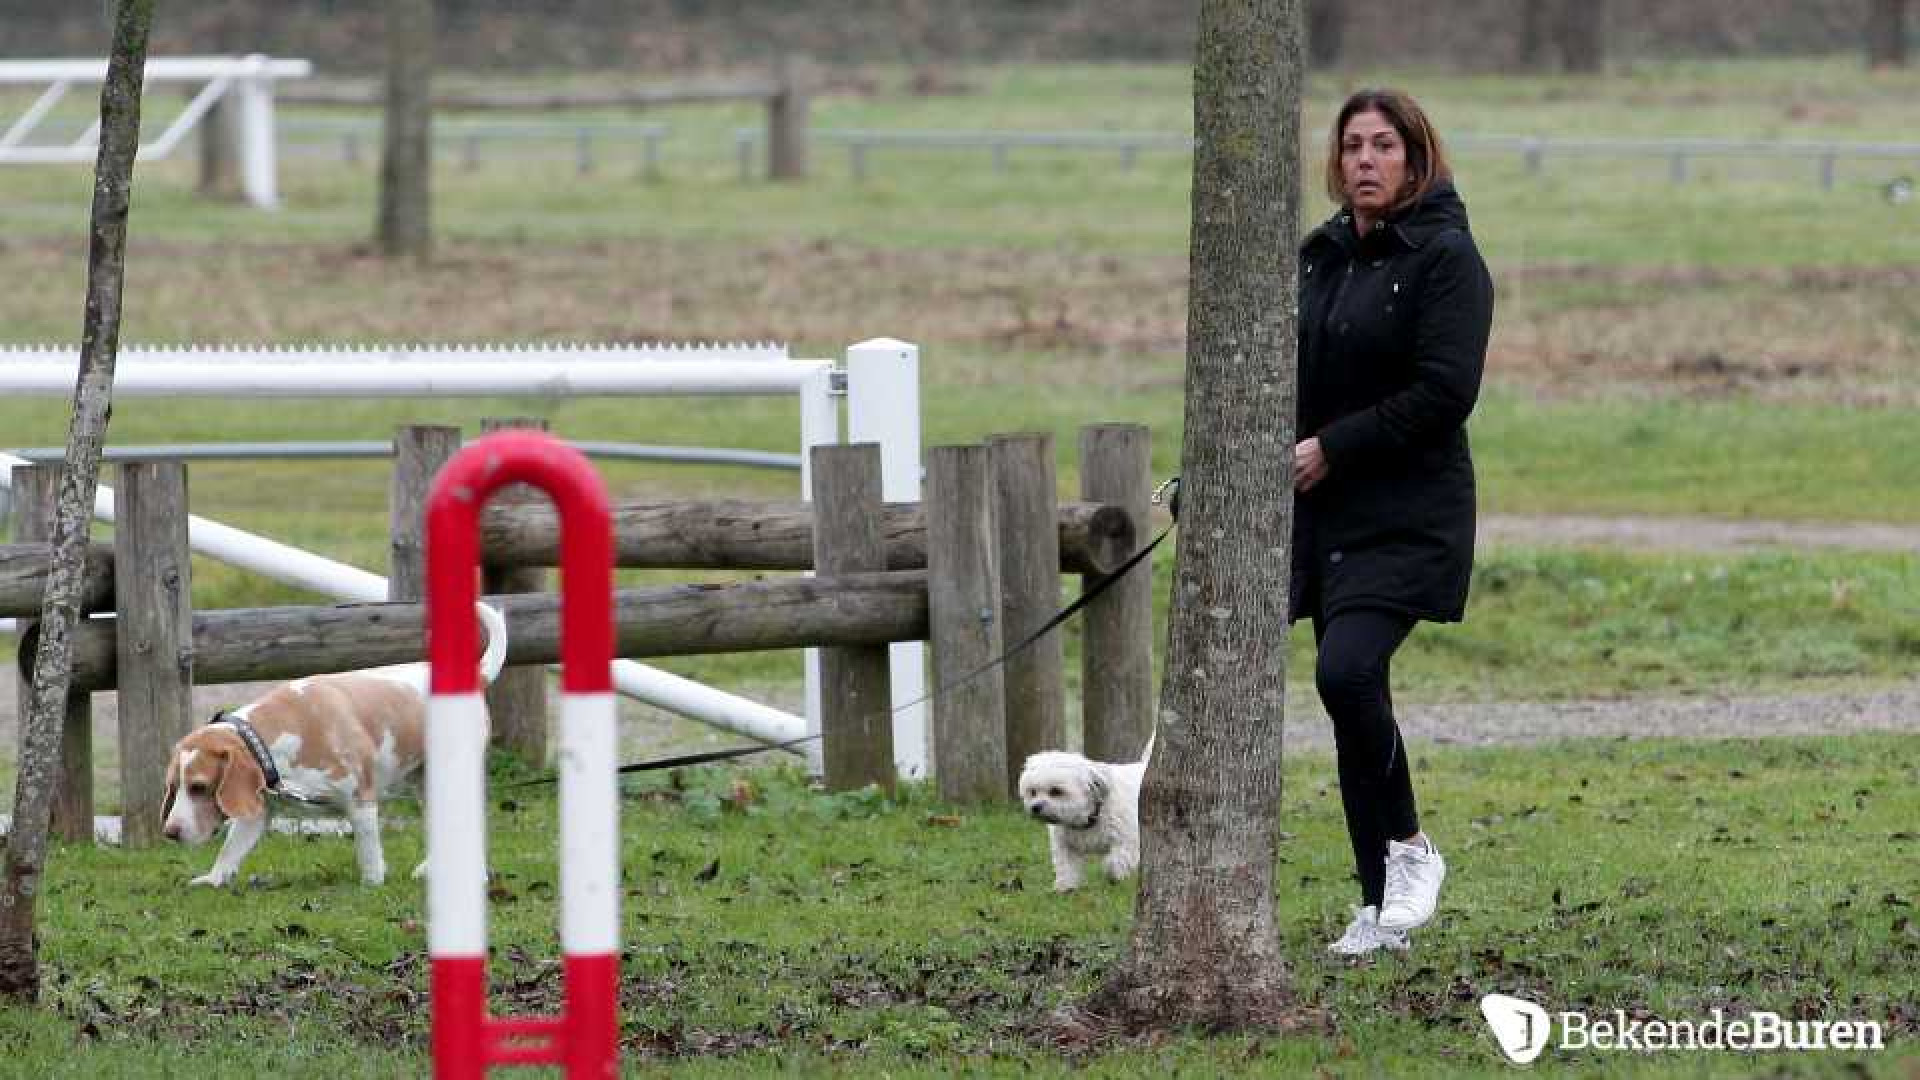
772, 929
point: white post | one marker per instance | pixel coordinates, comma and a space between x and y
258, 171
819, 426
883, 406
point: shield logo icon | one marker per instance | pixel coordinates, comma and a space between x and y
1519, 1026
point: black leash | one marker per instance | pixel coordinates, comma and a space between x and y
1100, 585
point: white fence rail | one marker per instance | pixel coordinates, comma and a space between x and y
248, 80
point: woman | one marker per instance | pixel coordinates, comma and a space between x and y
1395, 308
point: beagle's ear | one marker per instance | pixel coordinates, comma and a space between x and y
173, 788
241, 784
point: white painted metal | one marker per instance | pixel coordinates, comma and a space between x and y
589, 825
248, 80
159, 69
698, 701
883, 406
137, 375
457, 825
819, 426
35, 113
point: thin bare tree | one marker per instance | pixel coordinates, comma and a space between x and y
405, 225
1582, 35
26, 855
1886, 34
1204, 949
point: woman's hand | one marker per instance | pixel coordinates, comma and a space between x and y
1309, 464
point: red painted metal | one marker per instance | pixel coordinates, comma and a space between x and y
585, 1038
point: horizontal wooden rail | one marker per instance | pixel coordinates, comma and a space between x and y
732, 534
23, 579
254, 644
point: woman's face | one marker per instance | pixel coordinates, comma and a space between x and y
1373, 163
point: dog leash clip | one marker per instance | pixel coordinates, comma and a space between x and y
1171, 483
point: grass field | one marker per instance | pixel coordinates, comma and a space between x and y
1664, 878
1744, 345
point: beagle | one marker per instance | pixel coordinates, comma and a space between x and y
336, 742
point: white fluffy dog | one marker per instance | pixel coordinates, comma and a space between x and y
1092, 811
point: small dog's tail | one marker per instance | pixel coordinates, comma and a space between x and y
1147, 754
495, 657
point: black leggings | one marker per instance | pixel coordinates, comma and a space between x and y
1356, 653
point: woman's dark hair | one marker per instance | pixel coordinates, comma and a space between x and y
1426, 158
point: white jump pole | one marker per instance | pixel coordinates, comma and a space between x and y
883, 406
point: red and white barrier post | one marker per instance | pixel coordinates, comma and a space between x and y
584, 1038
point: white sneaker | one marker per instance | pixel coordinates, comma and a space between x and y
1364, 935
1414, 875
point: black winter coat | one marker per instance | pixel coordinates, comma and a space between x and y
1393, 339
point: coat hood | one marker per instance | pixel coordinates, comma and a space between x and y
1435, 212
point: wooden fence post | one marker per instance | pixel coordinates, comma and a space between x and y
517, 700
856, 704
153, 613
965, 628
35, 489
787, 119
1116, 659
418, 453
1026, 514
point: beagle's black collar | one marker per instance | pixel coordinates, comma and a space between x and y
255, 745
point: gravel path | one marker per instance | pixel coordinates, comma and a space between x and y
1695, 533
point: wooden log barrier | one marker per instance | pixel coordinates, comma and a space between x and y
23, 578
517, 700
35, 488
965, 624
1116, 656
153, 654
253, 644
737, 534
856, 716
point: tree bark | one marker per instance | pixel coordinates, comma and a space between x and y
1533, 35
1582, 34
1326, 33
92, 405
1886, 34
406, 158
1204, 951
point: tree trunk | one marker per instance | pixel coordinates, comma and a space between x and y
406, 157
1204, 950
92, 404
1533, 35
1886, 34
1326, 33
1583, 47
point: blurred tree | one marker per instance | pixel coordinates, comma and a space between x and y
1533, 35
1582, 35
1326, 33
1205, 951
45, 714
1886, 33
406, 156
